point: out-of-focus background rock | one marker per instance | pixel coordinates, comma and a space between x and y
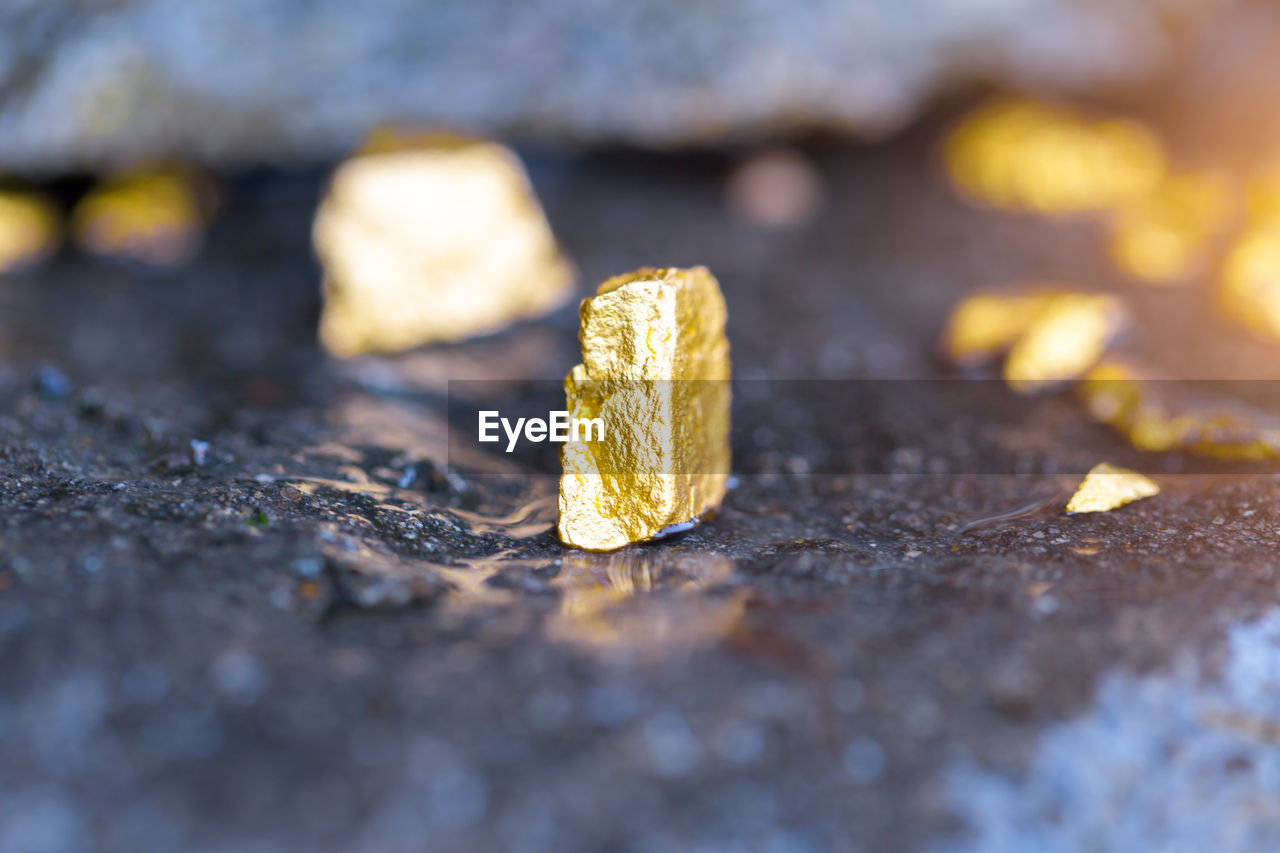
92, 85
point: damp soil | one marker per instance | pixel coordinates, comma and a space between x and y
250, 601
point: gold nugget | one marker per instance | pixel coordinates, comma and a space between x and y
432, 238
1107, 487
1165, 236
1158, 415
1064, 340
1249, 291
1020, 154
655, 369
1050, 335
152, 216
985, 325
29, 229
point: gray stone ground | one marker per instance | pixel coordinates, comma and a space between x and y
322, 638
91, 85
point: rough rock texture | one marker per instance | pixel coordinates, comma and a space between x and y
244, 80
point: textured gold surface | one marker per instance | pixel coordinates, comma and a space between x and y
1063, 341
655, 368
152, 216
1107, 487
29, 229
432, 243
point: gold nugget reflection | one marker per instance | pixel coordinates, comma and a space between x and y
1021, 154
150, 216
645, 603
29, 229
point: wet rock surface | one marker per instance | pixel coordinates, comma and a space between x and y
88, 85
248, 601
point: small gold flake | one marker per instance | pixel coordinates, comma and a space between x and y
1107, 487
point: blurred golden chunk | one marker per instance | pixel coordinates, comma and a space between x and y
1249, 290
151, 216
1159, 415
1107, 487
1165, 236
985, 325
1066, 338
655, 370
1262, 196
29, 229
433, 243
1022, 154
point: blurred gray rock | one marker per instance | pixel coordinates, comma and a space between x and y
88, 84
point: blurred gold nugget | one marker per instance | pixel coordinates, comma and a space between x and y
1066, 338
1249, 290
1262, 196
432, 238
152, 216
29, 229
1107, 487
1050, 335
655, 369
983, 326
1156, 415
1165, 236
1022, 154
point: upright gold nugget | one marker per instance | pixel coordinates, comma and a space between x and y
438, 240
655, 370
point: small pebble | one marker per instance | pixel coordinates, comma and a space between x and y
52, 383
199, 451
